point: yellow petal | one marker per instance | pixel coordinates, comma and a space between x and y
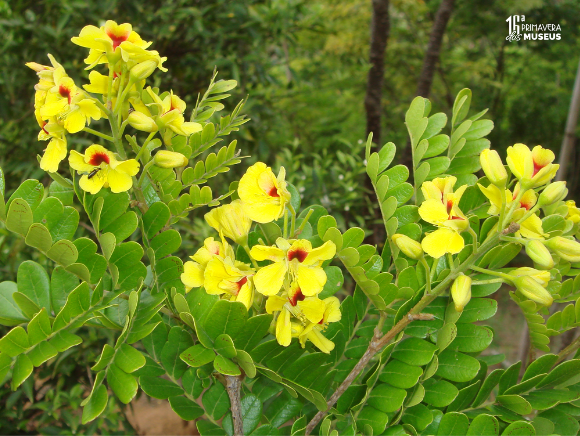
442, 241
433, 211
75, 121
519, 159
269, 279
94, 184
532, 228
55, 152
312, 308
129, 167
284, 328
320, 341
192, 275
262, 252
325, 252
274, 303
332, 311
246, 295
119, 181
311, 279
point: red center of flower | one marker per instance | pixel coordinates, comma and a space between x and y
98, 158
44, 123
298, 296
118, 39
216, 250
526, 206
65, 92
242, 283
297, 254
537, 167
273, 192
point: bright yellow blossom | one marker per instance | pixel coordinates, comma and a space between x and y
193, 270
264, 196
54, 153
230, 277
231, 220
100, 168
441, 208
296, 258
573, 212
313, 331
170, 112
532, 168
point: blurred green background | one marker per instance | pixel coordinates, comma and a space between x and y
304, 65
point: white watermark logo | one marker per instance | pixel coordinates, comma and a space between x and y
518, 28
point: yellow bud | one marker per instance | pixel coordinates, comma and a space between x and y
542, 277
170, 159
143, 70
538, 252
554, 192
140, 121
493, 167
533, 290
231, 221
567, 249
408, 246
461, 292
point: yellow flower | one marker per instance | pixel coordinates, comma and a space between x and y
531, 228
493, 167
461, 292
170, 114
231, 220
313, 331
100, 169
408, 246
230, 277
296, 258
493, 194
193, 271
47, 75
54, 153
573, 212
532, 168
264, 196
441, 208
169, 159
293, 304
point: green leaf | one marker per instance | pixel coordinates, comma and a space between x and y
439, 393
65, 340
225, 317
206, 428
31, 191
453, 423
64, 194
63, 252
159, 388
39, 328
515, 403
226, 366
185, 408
122, 384
561, 374
122, 227
33, 282
540, 366
519, 428
251, 412
61, 284
414, 351
252, 332
19, 218
387, 398
334, 282
224, 346
478, 309
400, 375
419, 416
216, 401
155, 218
446, 335
282, 409
129, 359
166, 243
464, 398
456, 366
246, 363
197, 356
472, 338
177, 342
21, 370
461, 106
353, 237
78, 301
564, 424
96, 404
483, 425
10, 313
39, 237
438, 165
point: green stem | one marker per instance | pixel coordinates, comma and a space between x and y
285, 223
486, 282
99, 134
293, 225
305, 221
145, 169
427, 275
473, 236
247, 250
145, 144
490, 272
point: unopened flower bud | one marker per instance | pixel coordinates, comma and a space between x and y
170, 159
538, 252
554, 192
533, 290
140, 121
493, 167
410, 247
542, 277
143, 70
461, 292
567, 249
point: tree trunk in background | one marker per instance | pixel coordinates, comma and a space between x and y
430, 62
569, 133
379, 37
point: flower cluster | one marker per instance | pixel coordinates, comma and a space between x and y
291, 281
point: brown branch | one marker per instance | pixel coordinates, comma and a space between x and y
233, 386
376, 344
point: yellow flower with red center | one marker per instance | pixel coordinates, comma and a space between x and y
441, 208
169, 115
313, 331
230, 277
264, 196
296, 259
532, 168
100, 168
293, 304
193, 270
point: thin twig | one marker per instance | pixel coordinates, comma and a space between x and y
233, 386
568, 350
